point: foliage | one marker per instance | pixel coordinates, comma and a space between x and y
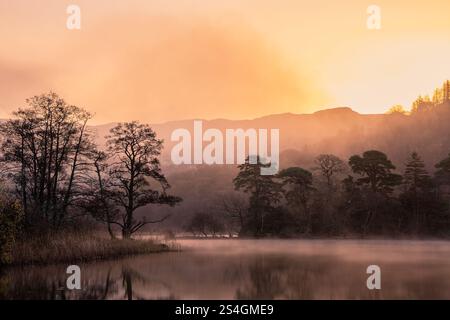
397, 109
59, 176
376, 201
375, 169
205, 224
265, 193
441, 97
298, 189
442, 175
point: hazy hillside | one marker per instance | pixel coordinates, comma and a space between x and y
340, 131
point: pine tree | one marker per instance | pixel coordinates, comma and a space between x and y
298, 191
438, 96
446, 91
442, 175
264, 192
375, 170
418, 189
416, 176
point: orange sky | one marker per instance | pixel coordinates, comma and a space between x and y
163, 60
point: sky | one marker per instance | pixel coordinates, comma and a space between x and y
162, 60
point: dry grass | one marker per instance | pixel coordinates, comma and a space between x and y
78, 248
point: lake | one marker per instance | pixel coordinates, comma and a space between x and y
250, 269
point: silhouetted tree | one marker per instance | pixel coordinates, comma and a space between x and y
375, 169
371, 205
134, 151
98, 199
416, 176
43, 149
263, 190
205, 224
235, 209
418, 189
329, 166
442, 178
297, 183
442, 174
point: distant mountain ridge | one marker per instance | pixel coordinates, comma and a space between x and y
339, 131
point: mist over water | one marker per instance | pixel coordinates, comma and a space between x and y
251, 269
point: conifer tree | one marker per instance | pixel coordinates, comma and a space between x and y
416, 177
418, 191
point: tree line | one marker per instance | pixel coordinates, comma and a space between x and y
439, 99
54, 175
361, 197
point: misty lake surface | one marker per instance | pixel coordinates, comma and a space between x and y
250, 269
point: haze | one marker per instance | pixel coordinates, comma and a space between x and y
168, 60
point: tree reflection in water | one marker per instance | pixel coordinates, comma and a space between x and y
249, 270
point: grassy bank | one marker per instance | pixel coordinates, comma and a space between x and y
79, 248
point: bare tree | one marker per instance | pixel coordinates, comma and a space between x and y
329, 166
97, 198
205, 225
235, 208
43, 151
134, 151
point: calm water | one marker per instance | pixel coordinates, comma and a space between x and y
251, 269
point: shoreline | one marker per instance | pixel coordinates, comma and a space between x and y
75, 250
80, 249
374, 238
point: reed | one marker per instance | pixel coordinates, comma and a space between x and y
77, 247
